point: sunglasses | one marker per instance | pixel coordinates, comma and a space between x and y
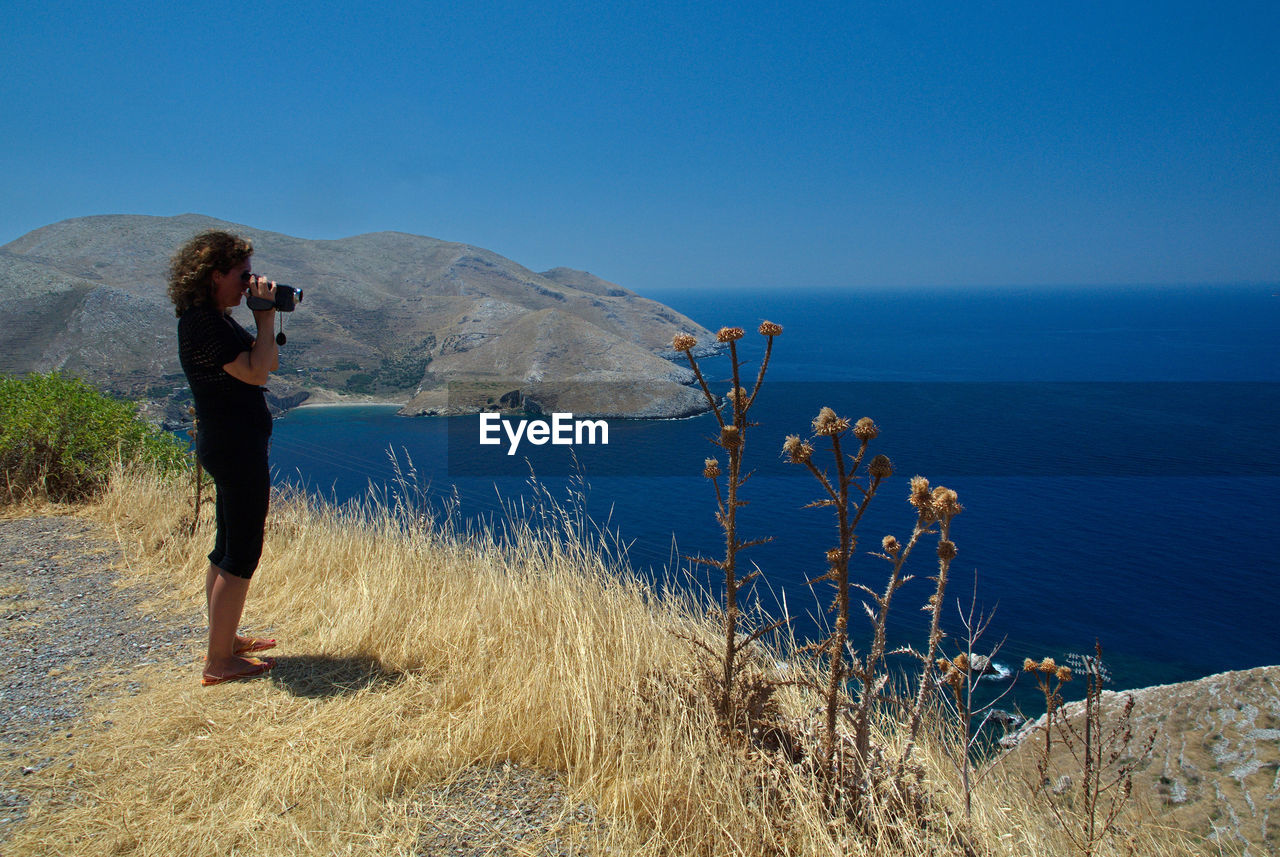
245, 276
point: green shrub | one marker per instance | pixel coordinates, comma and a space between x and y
59, 438
361, 382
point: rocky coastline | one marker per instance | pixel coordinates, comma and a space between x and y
609, 397
1214, 766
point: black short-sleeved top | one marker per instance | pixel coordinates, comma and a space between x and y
229, 410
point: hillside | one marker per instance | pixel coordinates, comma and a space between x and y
1214, 769
386, 316
419, 667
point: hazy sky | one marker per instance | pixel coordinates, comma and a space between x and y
661, 145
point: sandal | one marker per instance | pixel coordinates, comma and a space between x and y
259, 667
254, 644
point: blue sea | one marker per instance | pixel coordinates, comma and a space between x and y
1114, 449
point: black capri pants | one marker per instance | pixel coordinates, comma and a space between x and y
243, 479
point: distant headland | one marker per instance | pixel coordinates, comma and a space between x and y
435, 326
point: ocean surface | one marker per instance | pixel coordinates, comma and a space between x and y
1115, 451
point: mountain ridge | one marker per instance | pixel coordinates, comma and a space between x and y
88, 296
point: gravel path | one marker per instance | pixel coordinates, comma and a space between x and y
73, 628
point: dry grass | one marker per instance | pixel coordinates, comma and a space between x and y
410, 654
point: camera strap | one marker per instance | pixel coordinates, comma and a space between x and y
280, 337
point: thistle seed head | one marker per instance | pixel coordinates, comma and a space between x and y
797, 450
736, 396
729, 334
683, 342
880, 467
962, 661
890, 545
865, 429
833, 556
827, 423
1048, 666
768, 328
945, 503
730, 437
711, 468
920, 497
1028, 665
1064, 674
946, 550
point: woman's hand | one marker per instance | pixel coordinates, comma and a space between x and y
261, 287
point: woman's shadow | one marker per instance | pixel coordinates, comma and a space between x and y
321, 676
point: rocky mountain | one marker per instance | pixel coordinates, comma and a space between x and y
386, 316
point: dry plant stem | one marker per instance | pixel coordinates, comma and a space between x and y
839, 574
727, 516
764, 364
964, 714
959, 676
835, 679
729, 521
1099, 751
706, 391
1046, 671
975, 626
198, 476
935, 638
869, 676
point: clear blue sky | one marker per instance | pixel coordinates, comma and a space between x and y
663, 144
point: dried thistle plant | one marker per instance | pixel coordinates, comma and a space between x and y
850, 499
939, 505
1049, 678
1106, 756
732, 419
850, 496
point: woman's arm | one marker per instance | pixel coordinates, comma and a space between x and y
253, 366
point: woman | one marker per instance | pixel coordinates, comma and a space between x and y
226, 368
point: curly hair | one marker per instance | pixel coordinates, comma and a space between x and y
191, 268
